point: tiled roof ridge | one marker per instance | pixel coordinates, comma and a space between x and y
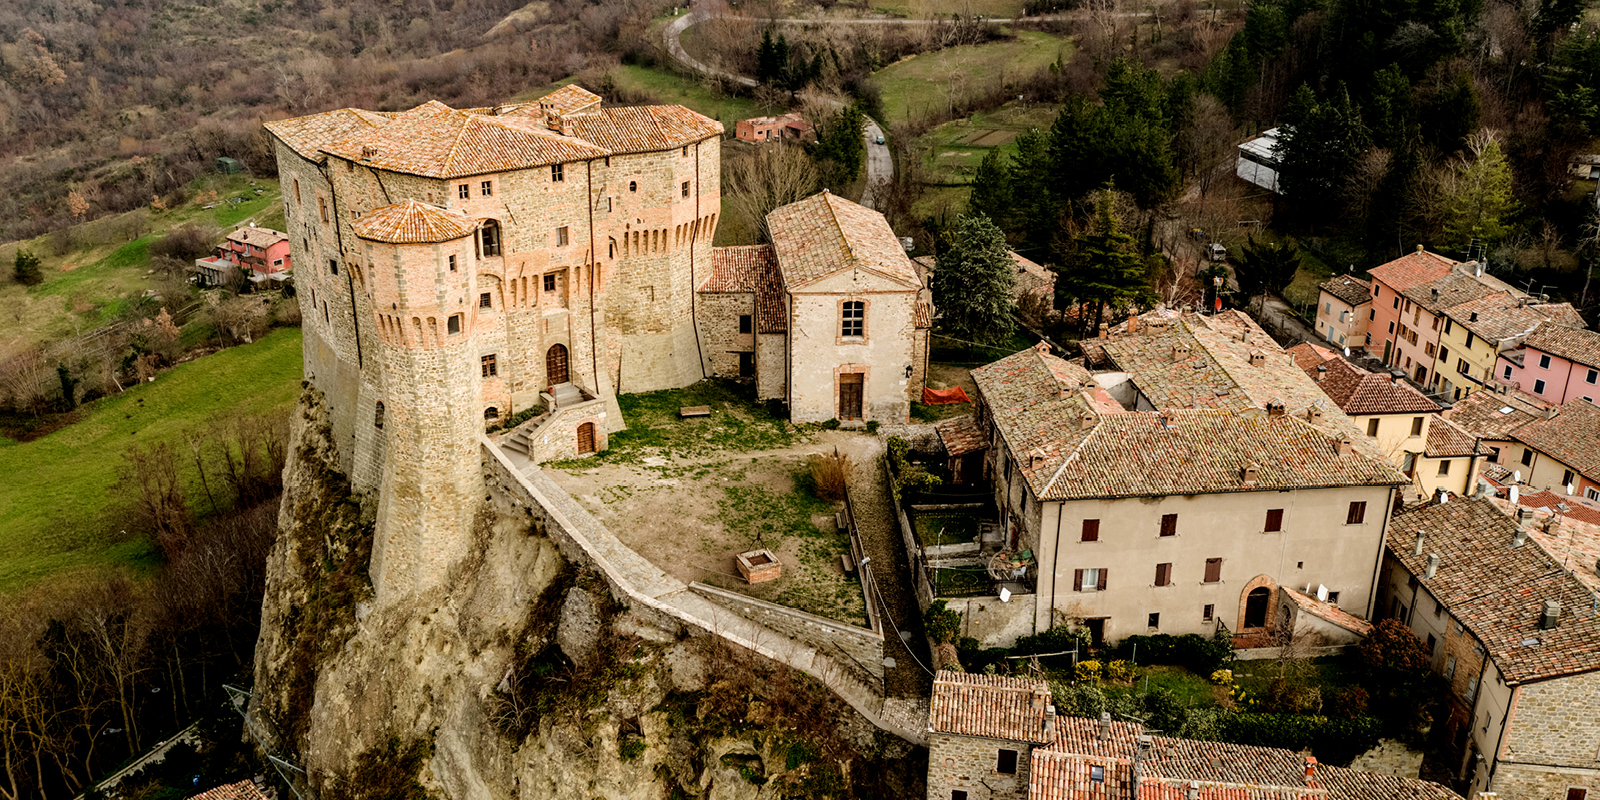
833, 214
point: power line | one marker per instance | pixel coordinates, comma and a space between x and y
905, 640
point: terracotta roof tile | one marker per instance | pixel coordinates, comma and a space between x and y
638, 129
752, 269
1308, 356
1497, 590
1571, 537
1446, 438
1351, 290
1572, 436
1495, 415
1411, 269
411, 222
922, 314
310, 134
436, 141
569, 99
1359, 393
1452, 290
825, 234
961, 435
990, 706
258, 236
1498, 316
1328, 611
1573, 344
243, 790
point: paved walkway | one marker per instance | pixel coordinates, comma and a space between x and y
880, 538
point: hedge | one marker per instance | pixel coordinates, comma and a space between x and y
1191, 651
1334, 741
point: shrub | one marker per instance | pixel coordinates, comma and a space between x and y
185, 243
917, 479
872, 427
942, 623
829, 472
1119, 671
26, 269
1086, 671
1350, 702
898, 449
1222, 677
1191, 651
1334, 741
831, 425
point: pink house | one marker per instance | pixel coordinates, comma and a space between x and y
1555, 363
1397, 329
262, 251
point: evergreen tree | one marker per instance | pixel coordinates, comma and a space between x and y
1479, 200
1318, 144
991, 190
1389, 106
26, 269
1127, 137
841, 143
769, 70
1033, 202
973, 280
1266, 267
1452, 114
1107, 268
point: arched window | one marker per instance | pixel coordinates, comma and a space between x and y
1255, 607
489, 239
491, 414
377, 418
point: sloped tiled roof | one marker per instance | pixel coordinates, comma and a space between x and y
825, 234
1351, 290
569, 99
308, 135
243, 790
1360, 393
1328, 611
1446, 438
1411, 269
638, 129
1497, 590
1497, 316
258, 236
961, 435
1573, 344
1452, 289
991, 706
1308, 356
752, 269
1495, 416
1572, 436
412, 222
1571, 537
436, 141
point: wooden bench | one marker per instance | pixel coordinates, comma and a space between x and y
694, 411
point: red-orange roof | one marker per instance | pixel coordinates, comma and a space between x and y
1411, 269
411, 222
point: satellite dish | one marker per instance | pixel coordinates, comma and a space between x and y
1005, 595
1322, 593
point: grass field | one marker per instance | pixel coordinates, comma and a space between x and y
917, 86
662, 86
951, 152
88, 285
55, 505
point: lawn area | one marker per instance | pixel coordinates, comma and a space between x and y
951, 152
916, 86
660, 86
655, 429
88, 285
946, 528
54, 501
1190, 689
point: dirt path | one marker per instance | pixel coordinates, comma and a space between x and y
880, 537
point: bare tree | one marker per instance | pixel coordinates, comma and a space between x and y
776, 175
26, 379
150, 482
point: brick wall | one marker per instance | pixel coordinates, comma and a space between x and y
967, 763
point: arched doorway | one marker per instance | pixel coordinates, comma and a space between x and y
586, 438
1255, 607
555, 365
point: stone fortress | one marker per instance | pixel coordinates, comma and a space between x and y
457, 267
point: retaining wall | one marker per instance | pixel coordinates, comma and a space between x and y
861, 648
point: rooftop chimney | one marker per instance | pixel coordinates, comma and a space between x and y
1433, 566
1435, 292
1311, 770
1180, 352
1418, 550
1322, 372
1519, 538
1105, 330
1343, 447
1193, 791
1248, 476
1133, 323
1551, 412
1419, 248
1550, 616
1314, 415
1049, 721
1086, 421
1275, 409
1257, 358
1105, 726
1473, 317
1524, 514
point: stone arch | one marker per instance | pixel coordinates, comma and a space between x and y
1257, 605
491, 414
377, 417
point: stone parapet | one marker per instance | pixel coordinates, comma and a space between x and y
861, 648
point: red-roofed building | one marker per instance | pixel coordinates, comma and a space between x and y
1555, 363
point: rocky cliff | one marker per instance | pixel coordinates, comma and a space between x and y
522, 676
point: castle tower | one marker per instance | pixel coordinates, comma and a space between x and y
416, 267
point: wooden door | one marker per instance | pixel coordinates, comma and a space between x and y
586, 438
850, 386
555, 365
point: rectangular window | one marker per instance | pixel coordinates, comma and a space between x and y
1357, 513
1089, 580
1213, 570
464, 191
561, 236
486, 188
957, 794
745, 323
1544, 362
1577, 793
1163, 574
1527, 458
297, 190
453, 325
452, 263
1208, 612
1097, 773
1444, 354
1372, 427
558, 173
488, 365
1091, 530
333, 266
1333, 598
1154, 622
1006, 763
1507, 374
1449, 668
1169, 524
1472, 689
1444, 468
1416, 426
1461, 366
1274, 520
1538, 387
485, 301
1566, 478
322, 207
685, 188
853, 319
1469, 340
1594, 375
1433, 643
550, 282
1410, 463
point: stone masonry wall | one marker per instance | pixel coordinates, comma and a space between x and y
772, 366
718, 318
967, 763
1525, 782
861, 647
1555, 724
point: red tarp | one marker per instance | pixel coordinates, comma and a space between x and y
939, 397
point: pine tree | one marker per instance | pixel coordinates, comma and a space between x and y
769, 69
1480, 196
841, 143
1266, 267
26, 269
973, 281
1318, 144
991, 190
1107, 269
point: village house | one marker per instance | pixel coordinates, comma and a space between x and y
1480, 331
1434, 452
999, 738
1556, 363
1516, 635
767, 129
1545, 445
1400, 336
262, 251
1199, 463
1343, 305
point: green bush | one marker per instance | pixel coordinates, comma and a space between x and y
898, 449
872, 427
1334, 741
831, 425
942, 623
26, 269
1191, 651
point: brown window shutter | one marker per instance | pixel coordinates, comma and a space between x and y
1213, 570
1077, 580
1163, 574
1274, 519
1103, 572
1169, 524
1091, 530
1358, 513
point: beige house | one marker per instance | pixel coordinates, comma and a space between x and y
1546, 446
1198, 463
1516, 636
1344, 305
831, 317
1434, 452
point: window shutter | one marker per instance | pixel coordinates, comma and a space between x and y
1274, 519
1077, 580
1358, 513
1169, 524
1103, 572
1091, 530
1163, 574
1213, 570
